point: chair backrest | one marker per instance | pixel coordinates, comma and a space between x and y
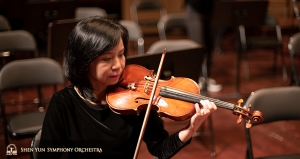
279, 103
135, 34
293, 45
138, 5
294, 50
276, 104
170, 21
296, 11
172, 45
270, 19
85, 12
134, 30
35, 143
27, 72
58, 34
18, 40
4, 24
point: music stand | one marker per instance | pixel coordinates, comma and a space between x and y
58, 34
246, 13
182, 63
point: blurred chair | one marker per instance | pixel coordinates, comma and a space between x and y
276, 104
170, 22
20, 117
85, 12
17, 41
140, 6
58, 34
296, 11
135, 34
176, 45
172, 45
4, 24
294, 50
35, 143
263, 42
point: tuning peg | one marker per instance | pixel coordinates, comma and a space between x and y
240, 101
248, 125
239, 120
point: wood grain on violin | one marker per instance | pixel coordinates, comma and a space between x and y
174, 98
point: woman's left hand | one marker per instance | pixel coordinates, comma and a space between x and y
202, 112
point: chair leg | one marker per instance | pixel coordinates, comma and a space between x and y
249, 153
210, 133
243, 45
283, 67
212, 138
275, 60
3, 120
4, 123
295, 79
294, 75
140, 46
246, 66
5, 132
298, 82
41, 106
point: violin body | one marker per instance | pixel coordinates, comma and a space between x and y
131, 95
174, 98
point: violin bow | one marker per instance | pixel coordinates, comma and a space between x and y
149, 105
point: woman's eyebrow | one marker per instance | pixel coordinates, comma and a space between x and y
110, 51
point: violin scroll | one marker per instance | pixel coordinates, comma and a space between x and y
243, 113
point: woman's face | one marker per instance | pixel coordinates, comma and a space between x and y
107, 68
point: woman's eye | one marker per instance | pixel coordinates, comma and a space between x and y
106, 59
121, 55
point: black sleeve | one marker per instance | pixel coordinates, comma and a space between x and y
159, 143
51, 136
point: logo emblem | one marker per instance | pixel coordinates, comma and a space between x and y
11, 149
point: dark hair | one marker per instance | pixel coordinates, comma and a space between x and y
90, 38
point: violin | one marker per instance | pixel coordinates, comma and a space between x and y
174, 98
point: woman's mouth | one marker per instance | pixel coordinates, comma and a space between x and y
114, 76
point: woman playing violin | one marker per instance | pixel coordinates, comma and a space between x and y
78, 116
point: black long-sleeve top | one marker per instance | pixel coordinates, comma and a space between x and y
73, 124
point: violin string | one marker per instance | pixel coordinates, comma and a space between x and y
151, 86
200, 97
178, 92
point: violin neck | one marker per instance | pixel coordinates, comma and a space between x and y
170, 92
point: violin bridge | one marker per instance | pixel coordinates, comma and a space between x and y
146, 87
148, 78
131, 86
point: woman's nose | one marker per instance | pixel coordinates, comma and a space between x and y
116, 63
